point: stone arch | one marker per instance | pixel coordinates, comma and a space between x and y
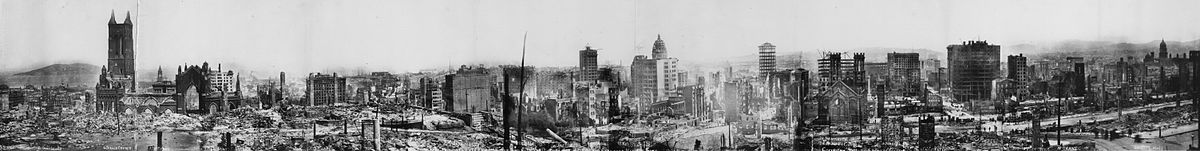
192, 84
191, 99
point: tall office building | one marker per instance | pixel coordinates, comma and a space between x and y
973, 65
904, 70
655, 78
766, 60
642, 76
1018, 68
588, 68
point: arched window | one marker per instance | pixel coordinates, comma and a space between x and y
191, 99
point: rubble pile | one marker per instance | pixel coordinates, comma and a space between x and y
243, 118
419, 141
1152, 120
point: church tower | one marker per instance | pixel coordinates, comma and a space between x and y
121, 52
1162, 51
117, 77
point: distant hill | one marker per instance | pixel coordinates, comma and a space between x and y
76, 75
1092, 49
63, 69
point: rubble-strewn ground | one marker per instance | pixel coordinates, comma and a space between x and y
412, 128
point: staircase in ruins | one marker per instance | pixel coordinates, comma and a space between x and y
477, 121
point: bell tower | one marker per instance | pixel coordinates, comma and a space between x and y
121, 52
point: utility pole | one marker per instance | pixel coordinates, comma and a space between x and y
1058, 124
506, 111
521, 102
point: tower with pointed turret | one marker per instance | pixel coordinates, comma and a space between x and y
121, 52
117, 78
1162, 51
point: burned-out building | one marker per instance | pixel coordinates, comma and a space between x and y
878, 77
833, 68
972, 67
119, 75
793, 85
199, 90
474, 90
766, 59
272, 94
654, 78
1018, 68
844, 104
588, 67
325, 89
904, 74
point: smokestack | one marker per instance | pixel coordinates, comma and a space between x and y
308, 89
282, 87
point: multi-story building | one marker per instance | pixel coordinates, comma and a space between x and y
588, 68
834, 69
928, 67
610, 75
430, 93
766, 60
795, 87
447, 92
904, 71
1079, 83
1194, 58
222, 80
473, 90
878, 78
972, 67
4, 106
643, 77
522, 79
654, 79
1018, 77
325, 89
938, 78
1018, 68
1003, 90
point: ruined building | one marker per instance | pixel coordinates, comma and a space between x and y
972, 67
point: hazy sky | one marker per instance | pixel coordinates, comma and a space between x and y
406, 35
